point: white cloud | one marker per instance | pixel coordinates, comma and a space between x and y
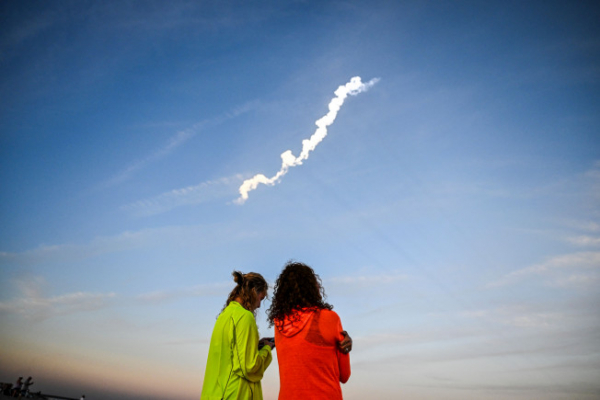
33, 304
203, 236
72, 252
576, 280
517, 316
587, 226
555, 268
127, 240
584, 240
190, 195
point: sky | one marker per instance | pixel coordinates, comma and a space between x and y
451, 206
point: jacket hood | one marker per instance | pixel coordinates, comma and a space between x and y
294, 323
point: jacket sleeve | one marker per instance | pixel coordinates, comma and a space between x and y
343, 358
252, 362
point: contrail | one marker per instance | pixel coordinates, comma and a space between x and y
353, 87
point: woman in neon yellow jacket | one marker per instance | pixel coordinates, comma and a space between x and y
235, 364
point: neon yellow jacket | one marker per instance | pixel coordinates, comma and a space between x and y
235, 365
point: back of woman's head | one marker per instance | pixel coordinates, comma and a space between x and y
248, 289
297, 287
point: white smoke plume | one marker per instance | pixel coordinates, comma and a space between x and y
352, 88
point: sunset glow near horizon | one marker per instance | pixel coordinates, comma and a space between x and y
452, 210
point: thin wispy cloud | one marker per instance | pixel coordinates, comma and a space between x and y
586, 226
584, 241
176, 141
516, 333
577, 280
288, 160
196, 236
33, 304
190, 195
69, 252
367, 280
210, 190
580, 265
517, 316
20, 34
593, 180
160, 296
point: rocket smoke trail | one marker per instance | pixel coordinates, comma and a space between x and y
353, 87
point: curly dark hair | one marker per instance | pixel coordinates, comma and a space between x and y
248, 288
297, 287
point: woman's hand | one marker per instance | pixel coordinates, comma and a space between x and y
346, 344
266, 342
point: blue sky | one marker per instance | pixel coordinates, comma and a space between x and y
452, 210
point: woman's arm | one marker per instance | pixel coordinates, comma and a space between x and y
252, 361
343, 356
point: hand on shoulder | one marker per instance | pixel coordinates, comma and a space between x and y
345, 345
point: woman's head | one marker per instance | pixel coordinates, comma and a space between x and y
251, 288
297, 287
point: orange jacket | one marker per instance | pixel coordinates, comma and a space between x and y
310, 363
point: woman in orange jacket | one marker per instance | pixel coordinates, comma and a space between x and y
312, 347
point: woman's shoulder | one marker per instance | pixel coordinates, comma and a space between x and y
325, 311
330, 325
241, 314
238, 312
328, 315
